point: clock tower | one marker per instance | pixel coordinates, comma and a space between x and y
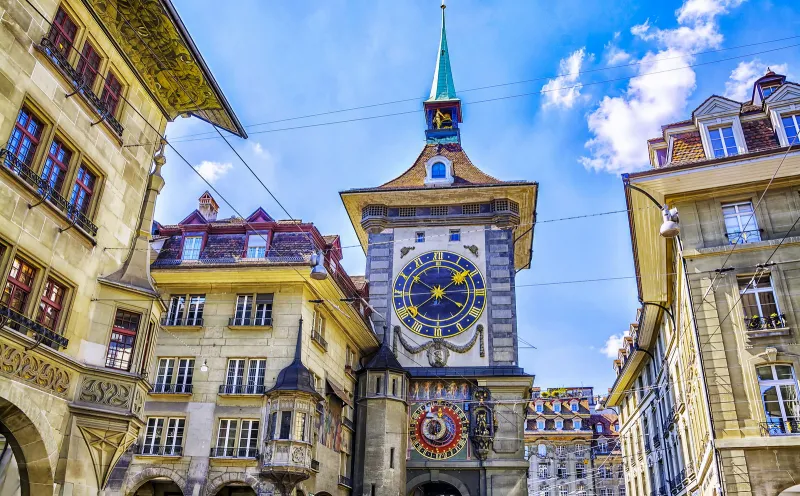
444, 241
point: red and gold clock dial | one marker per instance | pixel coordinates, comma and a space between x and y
438, 429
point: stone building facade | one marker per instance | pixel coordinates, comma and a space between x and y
571, 448
78, 314
239, 294
444, 409
711, 364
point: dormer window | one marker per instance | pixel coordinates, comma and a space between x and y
574, 406
768, 90
557, 406
256, 246
559, 425
191, 247
539, 407
438, 171
576, 423
723, 142
791, 123
661, 157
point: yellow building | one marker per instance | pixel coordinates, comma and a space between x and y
250, 344
78, 82
707, 380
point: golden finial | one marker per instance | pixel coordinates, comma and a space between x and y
443, 5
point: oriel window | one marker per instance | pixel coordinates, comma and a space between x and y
123, 340
18, 285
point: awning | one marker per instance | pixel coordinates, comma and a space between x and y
337, 391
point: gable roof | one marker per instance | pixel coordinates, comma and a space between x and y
716, 104
464, 171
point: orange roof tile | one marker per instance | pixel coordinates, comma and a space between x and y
464, 171
687, 147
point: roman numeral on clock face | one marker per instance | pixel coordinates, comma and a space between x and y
417, 327
402, 312
475, 311
480, 292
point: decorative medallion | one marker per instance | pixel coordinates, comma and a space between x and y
439, 294
438, 429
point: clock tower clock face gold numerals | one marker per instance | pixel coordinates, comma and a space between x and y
438, 429
439, 294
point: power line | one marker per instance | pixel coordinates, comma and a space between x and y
492, 86
507, 97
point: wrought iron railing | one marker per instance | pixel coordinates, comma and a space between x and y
741, 237
317, 338
250, 321
24, 325
345, 481
145, 450
78, 82
656, 442
647, 448
171, 389
234, 453
45, 192
780, 427
774, 321
173, 321
241, 389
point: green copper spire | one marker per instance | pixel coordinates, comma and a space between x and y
443, 87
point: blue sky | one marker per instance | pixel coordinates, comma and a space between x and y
279, 60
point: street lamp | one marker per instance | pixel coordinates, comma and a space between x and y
318, 271
670, 227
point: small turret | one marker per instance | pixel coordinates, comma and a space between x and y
381, 435
443, 107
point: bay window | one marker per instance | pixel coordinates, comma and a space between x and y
123, 339
779, 395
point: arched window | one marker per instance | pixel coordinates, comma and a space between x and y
438, 171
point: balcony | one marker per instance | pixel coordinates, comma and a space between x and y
345, 481
79, 85
741, 237
45, 193
171, 389
250, 322
158, 450
780, 427
180, 321
241, 389
24, 325
773, 325
317, 338
240, 453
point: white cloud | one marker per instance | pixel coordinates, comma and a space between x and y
614, 55
612, 346
564, 90
621, 125
739, 86
257, 148
211, 171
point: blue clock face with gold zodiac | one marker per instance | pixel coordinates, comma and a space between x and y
439, 294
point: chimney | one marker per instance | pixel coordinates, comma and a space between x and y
208, 207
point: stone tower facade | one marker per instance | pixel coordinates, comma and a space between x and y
444, 241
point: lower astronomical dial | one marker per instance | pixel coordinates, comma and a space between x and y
438, 429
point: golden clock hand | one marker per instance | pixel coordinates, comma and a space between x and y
459, 305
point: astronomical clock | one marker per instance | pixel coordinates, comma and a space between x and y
438, 429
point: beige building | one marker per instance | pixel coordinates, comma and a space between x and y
572, 448
709, 370
78, 314
220, 417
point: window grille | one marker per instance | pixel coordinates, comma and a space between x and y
373, 210
471, 209
407, 211
439, 210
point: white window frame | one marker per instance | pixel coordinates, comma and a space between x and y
557, 406
776, 115
599, 428
731, 121
574, 406
226, 441
757, 291
158, 431
256, 245
559, 426
544, 472
448, 174
746, 220
173, 374
192, 250
780, 426
783, 138
540, 425
576, 424
539, 407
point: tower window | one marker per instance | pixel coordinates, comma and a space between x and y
455, 234
377, 385
391, 457
439, 210
438, 171
471, 209
407, 211
420, 237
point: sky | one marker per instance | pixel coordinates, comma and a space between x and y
594, 81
